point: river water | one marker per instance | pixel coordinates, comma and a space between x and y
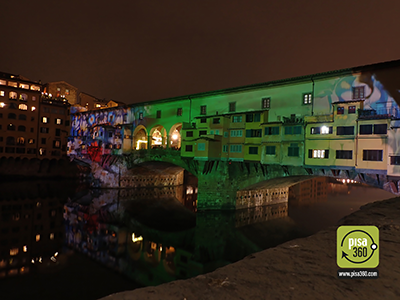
59, 240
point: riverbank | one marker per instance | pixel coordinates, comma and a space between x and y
299, 269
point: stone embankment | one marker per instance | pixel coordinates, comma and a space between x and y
300, 269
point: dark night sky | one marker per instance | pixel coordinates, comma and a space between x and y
135, 51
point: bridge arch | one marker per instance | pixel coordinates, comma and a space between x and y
174, 136
140, 140
158, 137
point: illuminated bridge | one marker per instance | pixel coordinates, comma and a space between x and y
343, 124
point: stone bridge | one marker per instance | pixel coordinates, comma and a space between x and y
219, 181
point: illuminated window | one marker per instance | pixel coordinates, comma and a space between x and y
3, 82
318, 153
12, 83
321, 130
57, 144
2, 104
2, 93
14, 251
25, 248
265, 103
42, 151
44, 119
35, 88
58, 89
52, 236
307, 98
33, 108
37, 237
24, 86
12, 95
98, 105
232, 106
66, 91
58, 121
23, 107
31, 141
20, 141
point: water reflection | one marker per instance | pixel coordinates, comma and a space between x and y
155, 235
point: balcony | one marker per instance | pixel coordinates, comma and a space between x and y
383, 113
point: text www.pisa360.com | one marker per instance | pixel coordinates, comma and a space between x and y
359, 273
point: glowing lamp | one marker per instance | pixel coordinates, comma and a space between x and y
174, 136
136, 239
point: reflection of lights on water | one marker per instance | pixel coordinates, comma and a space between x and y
136, 239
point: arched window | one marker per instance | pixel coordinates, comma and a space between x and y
12, 116
23, 106
13, 95
22, 117
11, 127
23, 97
21, 128
12, 106
20, 141
10, 140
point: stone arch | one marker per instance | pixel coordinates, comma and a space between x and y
158, 137
140, 138
174, 136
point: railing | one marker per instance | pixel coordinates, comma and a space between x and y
381, 113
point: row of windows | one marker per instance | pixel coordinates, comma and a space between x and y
57, 121
358, 93
294, 150
14, 96
368, 155
14, 117
20, 85
351, 110
349, 130
21, 106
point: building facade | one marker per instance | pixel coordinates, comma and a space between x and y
32, 124
346, 119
